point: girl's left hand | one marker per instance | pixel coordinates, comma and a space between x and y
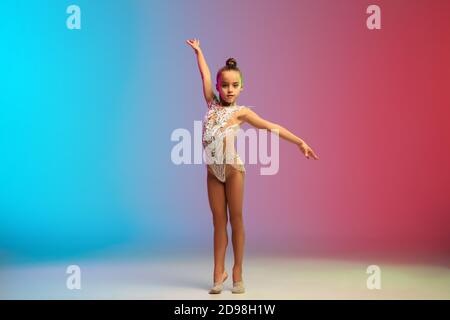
307, 151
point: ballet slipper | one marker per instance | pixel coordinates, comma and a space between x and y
218, 286
238, 287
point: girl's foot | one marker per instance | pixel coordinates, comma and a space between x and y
238, 283
218, 286
238, 287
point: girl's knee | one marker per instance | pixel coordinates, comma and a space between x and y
220, 223
237, 221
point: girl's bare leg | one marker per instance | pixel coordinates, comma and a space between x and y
234, 189
218, 204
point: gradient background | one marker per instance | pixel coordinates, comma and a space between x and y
86, 117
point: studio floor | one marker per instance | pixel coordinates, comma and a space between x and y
191, 278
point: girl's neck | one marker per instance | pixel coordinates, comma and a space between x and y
226, 104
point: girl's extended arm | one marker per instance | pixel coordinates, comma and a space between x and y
253, 119
204, 69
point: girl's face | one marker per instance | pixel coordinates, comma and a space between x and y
229, 86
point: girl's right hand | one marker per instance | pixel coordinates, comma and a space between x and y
307, 151
194, 43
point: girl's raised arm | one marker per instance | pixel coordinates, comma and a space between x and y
204, 70
256, 121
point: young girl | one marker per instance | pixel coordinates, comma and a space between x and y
225, 180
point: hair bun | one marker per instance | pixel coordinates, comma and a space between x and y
231, 62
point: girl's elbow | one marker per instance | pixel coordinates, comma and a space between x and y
273, 127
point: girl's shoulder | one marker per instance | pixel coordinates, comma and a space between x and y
243, 109
243, 112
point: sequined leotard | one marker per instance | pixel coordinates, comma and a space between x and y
218, 139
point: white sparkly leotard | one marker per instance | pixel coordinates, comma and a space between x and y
218, 138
